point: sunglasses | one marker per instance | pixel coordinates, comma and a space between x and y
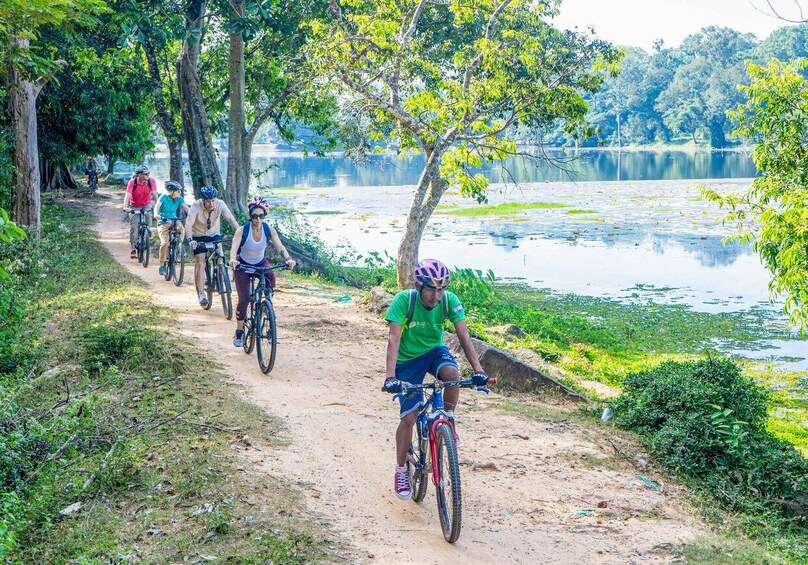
258, 216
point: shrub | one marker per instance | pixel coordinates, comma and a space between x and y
707, 421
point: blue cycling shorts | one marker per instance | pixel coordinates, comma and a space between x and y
414, 371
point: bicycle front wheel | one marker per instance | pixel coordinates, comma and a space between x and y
249, 331
146, 247
223, 282
178, 260
209, 284
448, 487
416, 469
266, 336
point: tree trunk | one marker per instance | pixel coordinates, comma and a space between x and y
236, 116
245, 173
56, 177
175, 160
25, 200
201, 154
167, 121
427, 195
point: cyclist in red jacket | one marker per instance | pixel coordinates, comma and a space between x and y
141, 194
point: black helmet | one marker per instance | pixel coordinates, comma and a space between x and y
173, 186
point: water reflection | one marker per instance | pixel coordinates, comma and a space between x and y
298, 170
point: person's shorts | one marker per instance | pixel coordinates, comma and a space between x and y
202, 239
414, 371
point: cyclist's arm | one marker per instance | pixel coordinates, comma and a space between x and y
234, 248
393, 342
126, 198
189, 223
468, 348
157, 208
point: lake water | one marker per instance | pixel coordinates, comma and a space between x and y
630, 226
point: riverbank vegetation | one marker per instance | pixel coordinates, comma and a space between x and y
736, 435
114, 447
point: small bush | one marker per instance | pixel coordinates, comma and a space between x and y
707, 421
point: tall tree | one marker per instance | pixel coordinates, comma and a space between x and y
156, 29
270, 80
773, 213
452, 81
26, 74
95, 105
195, 126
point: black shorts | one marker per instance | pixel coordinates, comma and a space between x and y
203, 239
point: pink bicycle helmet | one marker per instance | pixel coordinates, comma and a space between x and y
431, 273
258, 202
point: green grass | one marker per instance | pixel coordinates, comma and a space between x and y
145, 422
505, 209
576, 211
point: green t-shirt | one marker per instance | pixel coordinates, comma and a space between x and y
169, 207
425, 331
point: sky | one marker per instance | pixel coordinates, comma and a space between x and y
640, 22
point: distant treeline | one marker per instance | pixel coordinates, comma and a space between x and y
682, 94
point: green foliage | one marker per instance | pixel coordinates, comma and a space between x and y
706, 421
680, 94
472, 286
454, 81
773, 213
93, 401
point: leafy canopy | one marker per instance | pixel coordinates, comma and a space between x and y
459, 76
773, 213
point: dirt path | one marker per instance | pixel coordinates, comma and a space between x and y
538, 504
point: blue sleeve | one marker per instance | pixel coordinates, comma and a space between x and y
398, 307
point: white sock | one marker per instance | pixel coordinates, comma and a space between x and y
400, 467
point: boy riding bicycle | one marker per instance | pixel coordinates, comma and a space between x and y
415, 347
167, 209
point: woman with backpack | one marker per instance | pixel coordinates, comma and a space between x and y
253, 238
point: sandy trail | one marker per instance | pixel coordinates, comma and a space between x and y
537, 506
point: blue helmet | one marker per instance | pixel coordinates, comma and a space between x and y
208, 192
173, 186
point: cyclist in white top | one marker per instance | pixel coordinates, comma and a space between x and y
249, 250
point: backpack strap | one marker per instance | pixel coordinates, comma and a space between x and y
246, 232
444, 302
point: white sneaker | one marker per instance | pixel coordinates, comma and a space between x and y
203, 298
401, 483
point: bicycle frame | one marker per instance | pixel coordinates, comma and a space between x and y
432, 414
261, 288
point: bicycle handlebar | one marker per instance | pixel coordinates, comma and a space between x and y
468, 383
251, 270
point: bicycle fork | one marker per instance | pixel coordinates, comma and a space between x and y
433, 449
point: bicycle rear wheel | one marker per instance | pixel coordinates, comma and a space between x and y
266, 336
178, 260
249, 331
448, 487
146, 247
223, 282
417, 473
209, 284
